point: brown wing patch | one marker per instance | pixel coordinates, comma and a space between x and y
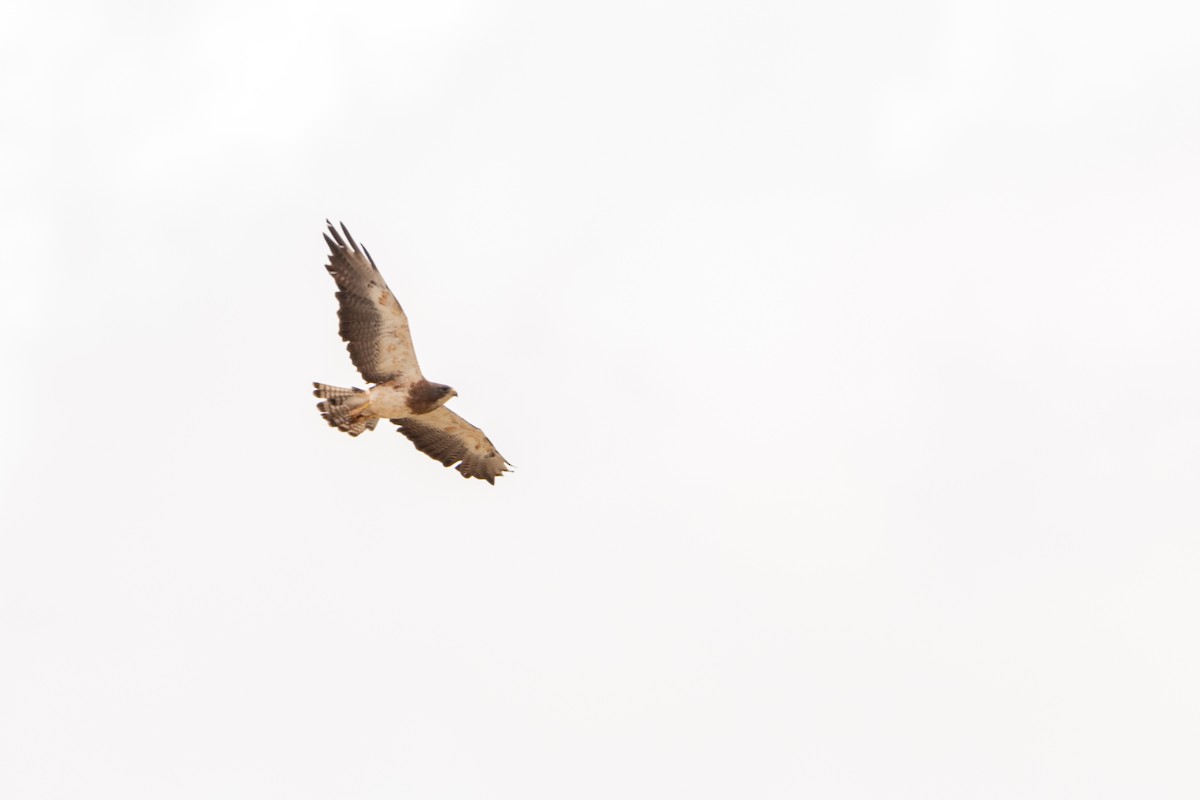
446, 437
370, 319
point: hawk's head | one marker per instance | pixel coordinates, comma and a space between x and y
443, 394
425, 396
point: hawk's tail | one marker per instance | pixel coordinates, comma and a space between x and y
338, 405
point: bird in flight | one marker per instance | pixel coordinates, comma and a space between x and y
375, 329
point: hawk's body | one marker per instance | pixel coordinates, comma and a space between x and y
375, 329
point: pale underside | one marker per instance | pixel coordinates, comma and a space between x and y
375, 329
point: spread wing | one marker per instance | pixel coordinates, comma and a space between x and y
372, 322
446, 437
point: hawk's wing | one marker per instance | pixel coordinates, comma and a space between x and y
372, 322
446, 437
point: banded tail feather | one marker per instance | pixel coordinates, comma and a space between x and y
338, 405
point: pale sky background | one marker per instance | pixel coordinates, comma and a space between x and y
849, 355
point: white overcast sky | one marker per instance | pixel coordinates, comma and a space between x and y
848, 352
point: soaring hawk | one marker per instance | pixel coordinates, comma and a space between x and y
375, 329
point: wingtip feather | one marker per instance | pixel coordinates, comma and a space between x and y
349, 238
337, 236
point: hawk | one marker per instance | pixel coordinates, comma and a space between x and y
375, 329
